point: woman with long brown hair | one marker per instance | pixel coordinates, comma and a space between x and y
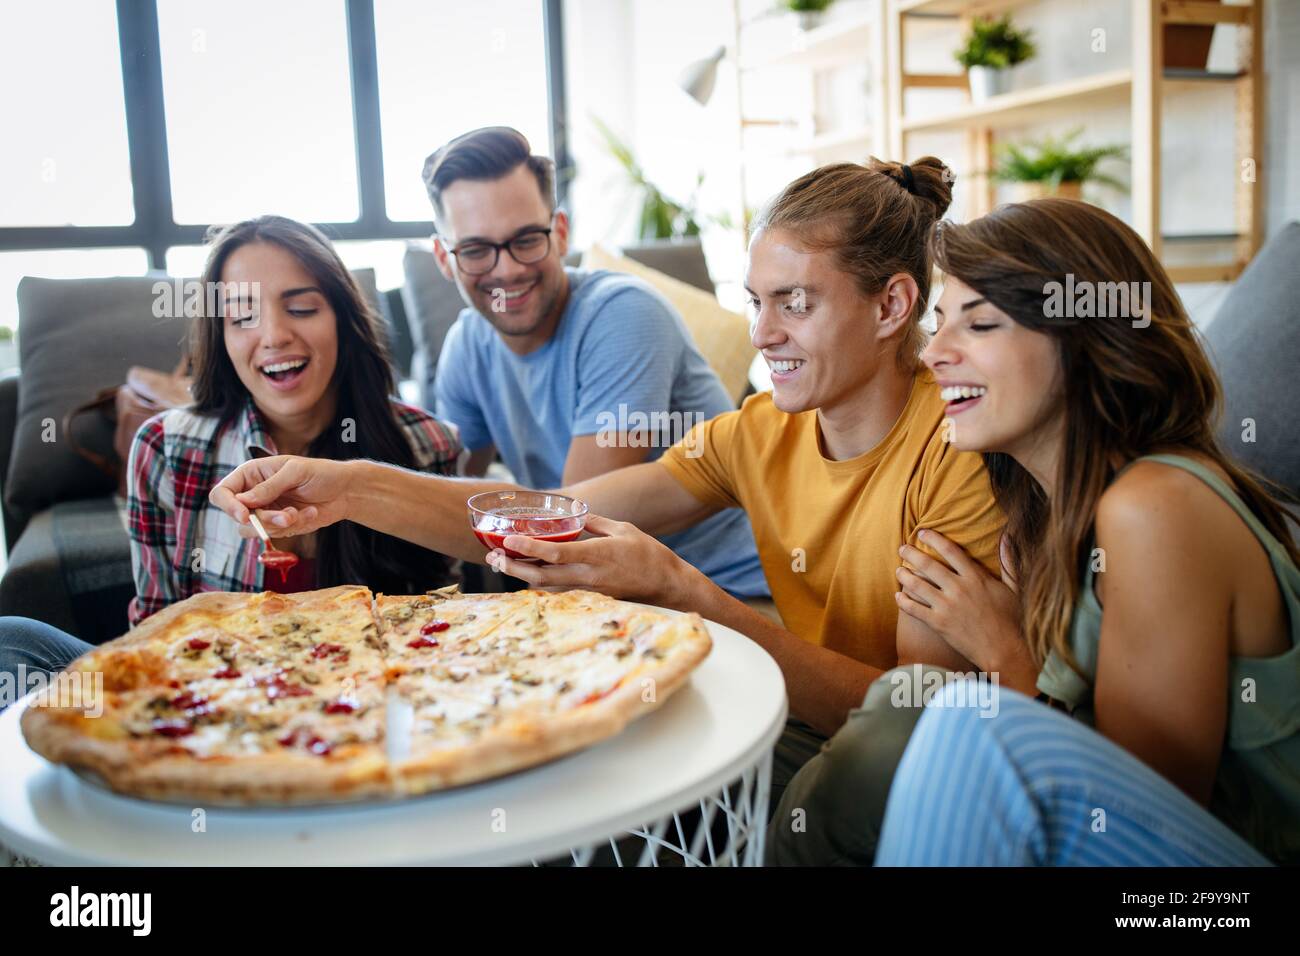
292, 360
1150, 586
289, 357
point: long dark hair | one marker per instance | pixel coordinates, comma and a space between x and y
363, 379
1130, 390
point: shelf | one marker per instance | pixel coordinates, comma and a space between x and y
1226, 272
832, 44
820, 144
825, 142
1185, 75
955, 8
1025, 106
1180, 237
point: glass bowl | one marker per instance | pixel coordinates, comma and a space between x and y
494, 515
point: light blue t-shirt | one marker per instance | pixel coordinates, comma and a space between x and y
621, 360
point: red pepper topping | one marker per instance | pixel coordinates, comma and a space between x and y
278, 688
340, 706
433, 627
289, 739
173, 728
324, 650
422, 642
226, 673
174, 683
319, 746
188, 701
198, 644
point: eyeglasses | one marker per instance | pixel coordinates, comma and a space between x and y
480, 257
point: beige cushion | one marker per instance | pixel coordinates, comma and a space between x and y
722, 336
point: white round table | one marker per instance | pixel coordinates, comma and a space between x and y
705, 754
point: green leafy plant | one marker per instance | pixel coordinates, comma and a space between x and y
6, 334
660, 217
1053, 160
995, 43
806, 6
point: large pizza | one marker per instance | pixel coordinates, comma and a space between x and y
338, 695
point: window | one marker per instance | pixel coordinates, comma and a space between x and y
443, 73
59, 60
259, 109
218, 110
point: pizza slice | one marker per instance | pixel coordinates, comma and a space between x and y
546, 675
233, 699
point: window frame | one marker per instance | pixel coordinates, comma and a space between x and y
155, 228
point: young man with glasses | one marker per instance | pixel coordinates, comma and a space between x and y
547, 363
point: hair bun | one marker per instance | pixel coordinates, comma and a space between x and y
926, 178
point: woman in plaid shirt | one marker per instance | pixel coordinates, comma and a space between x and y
292, 361
289, 359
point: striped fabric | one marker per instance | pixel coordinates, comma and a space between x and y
179, 544
1031, 787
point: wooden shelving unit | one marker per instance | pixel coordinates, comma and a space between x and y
855, 40
1142, 89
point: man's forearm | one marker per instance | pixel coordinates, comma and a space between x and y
428, 510
823, 686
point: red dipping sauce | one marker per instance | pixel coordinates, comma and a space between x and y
544, 515
280, 561
495, 539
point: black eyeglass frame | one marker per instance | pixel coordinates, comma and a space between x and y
496, 248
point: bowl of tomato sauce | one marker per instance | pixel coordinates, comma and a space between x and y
495, 515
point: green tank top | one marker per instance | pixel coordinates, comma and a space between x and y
1257, 790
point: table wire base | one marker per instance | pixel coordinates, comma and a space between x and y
726, 828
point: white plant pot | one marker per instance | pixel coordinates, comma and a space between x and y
987, 81
810, 19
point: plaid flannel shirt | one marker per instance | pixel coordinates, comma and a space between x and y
180, 545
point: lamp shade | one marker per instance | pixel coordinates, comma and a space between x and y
698, 77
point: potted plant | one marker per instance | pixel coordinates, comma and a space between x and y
660, 217
810, 13
993, 47
1052, 166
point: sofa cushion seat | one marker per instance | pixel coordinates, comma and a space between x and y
72, 569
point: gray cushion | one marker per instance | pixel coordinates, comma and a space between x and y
72, 569
680, 258
1255, 343
432, 304
76, 337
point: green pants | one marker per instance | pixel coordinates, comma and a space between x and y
830, 797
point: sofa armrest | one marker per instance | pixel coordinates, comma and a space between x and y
13, 522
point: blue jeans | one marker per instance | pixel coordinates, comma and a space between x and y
28, 646
1031, 787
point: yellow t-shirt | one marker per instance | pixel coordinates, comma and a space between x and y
828, 532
